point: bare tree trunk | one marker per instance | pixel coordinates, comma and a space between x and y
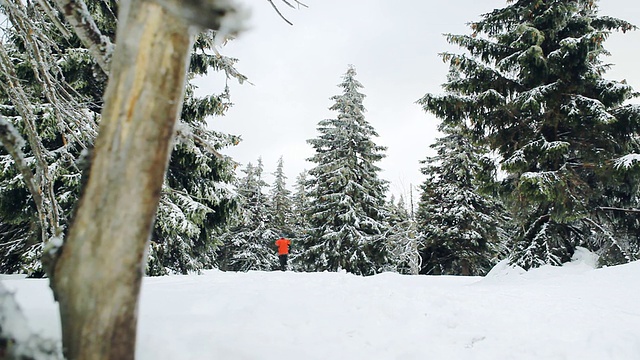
98, 273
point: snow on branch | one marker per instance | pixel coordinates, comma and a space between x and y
40, 49
627, 161
13, 143
608, 208
547, 148
51, 13
100, 46
591, 107
226, 64
42, 180
184, 134
544, 181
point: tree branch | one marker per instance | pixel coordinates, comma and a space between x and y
297, 3
46, 7
100, 46
169, 190
606, 208
278, 11
13, 143
197, 139
288, 4
41, 179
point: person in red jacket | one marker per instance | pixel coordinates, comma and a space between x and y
283, 251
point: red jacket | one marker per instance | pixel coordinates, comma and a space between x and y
283, 246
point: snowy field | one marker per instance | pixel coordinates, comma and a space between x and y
572, 312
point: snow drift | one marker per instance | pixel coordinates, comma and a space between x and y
569, 312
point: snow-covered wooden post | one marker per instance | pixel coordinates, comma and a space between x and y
97, 274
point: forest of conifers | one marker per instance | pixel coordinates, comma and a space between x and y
539, 155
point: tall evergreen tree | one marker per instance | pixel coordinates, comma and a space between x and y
300, 203
460, 228
347, 197
281, 203
197, 199
532, 87
249, 244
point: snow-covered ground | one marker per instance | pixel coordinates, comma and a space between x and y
570, 312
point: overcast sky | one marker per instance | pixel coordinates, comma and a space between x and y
394, 46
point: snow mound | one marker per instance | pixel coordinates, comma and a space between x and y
503, 269
582, 261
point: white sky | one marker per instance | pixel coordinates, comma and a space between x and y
394, 46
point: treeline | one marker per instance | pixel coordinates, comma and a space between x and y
538, 155
337, 217
555, 143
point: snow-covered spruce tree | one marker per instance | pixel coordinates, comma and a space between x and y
402, 239
618, 214
281, 202
300, 204
532, 88
66, 104
347, 213
197, 199
459, 226
249, 243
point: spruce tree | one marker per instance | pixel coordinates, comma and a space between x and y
300, 203
617, 241
197, 199
281, 203
249, 243
346, 215
459, 226
531, 87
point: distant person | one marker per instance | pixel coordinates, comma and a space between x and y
283, 251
